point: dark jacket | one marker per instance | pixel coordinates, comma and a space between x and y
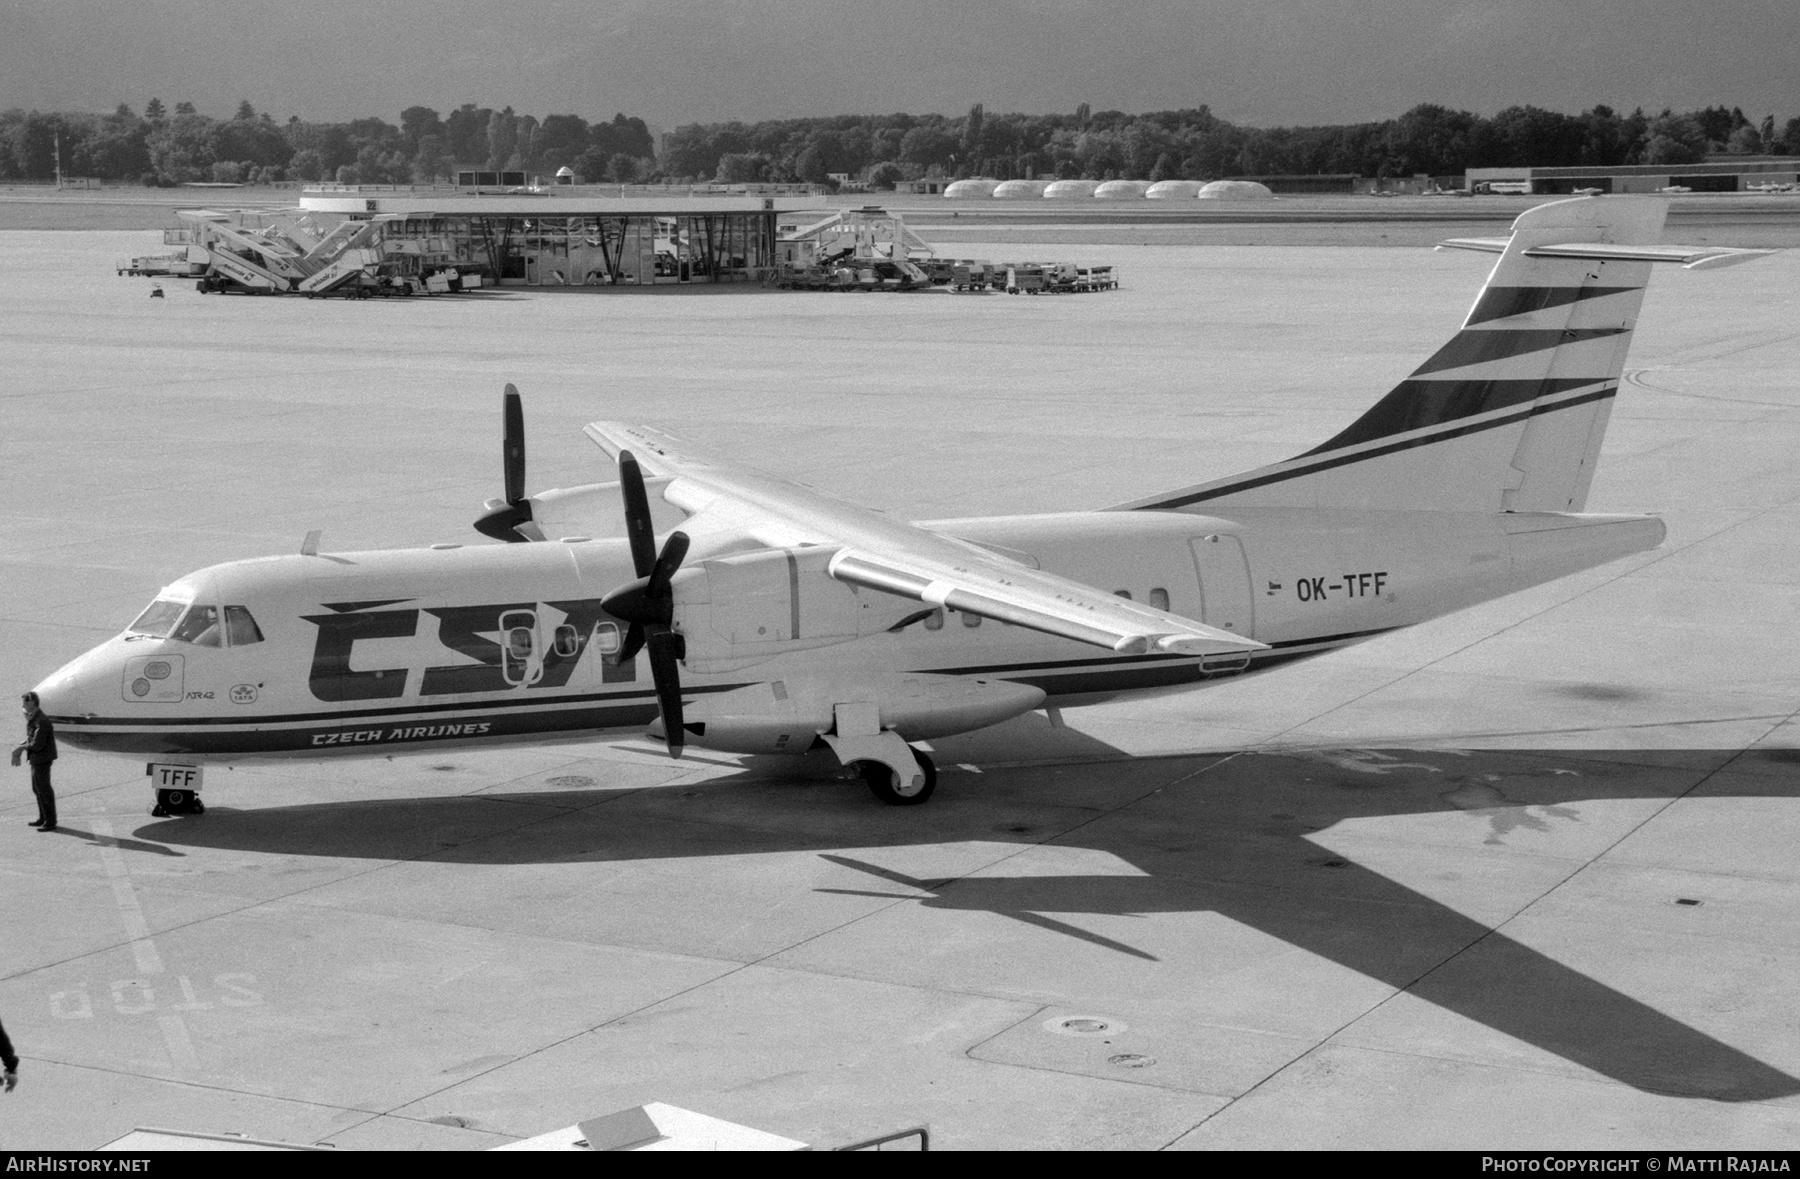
8, 1057
40, 741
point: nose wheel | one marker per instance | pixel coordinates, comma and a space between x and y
177, 802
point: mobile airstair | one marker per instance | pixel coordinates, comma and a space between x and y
853, 249
281, 256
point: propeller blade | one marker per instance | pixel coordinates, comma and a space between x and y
638, 526
632, 644
512, 453
674, 550
665, 653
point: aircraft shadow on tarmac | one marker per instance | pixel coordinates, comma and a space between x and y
1210, 833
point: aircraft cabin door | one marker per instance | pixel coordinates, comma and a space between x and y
521, 648
1225, 599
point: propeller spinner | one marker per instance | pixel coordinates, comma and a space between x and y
505, 516
648, 603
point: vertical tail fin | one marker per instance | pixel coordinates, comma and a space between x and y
1509, 415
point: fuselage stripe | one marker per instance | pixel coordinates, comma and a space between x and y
1420, 404
635, 701
1376, 452
1505, 302
1485, 345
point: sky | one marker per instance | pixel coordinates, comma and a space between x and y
1256, 62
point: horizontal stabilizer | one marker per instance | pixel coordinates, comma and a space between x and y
1692, 257
1481, 245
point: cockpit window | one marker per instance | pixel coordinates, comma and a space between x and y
200, 626
158, 620
240, 628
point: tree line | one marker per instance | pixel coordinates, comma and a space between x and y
1197, 145
161, 146
167, 147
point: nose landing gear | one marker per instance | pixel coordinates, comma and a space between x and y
177, 789
177, 802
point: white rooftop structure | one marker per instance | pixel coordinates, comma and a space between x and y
637, 201
1068, 190
1122, 190
656, 1126
1017, 190
1164, 190
1235, 190
974, 187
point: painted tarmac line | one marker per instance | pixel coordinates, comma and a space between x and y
143, 948
131, 913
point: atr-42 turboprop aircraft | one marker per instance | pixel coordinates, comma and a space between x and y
774, 619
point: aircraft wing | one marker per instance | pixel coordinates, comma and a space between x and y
727, 503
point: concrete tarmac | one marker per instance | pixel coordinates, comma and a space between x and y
1520, 878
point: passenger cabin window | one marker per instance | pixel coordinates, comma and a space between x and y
1159, 598
158, 619
566, 642
241, 629
607, 636
199, 626
518, 642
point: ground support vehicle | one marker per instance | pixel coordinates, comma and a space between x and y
1025, 278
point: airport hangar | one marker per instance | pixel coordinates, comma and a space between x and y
542, 240
1727, 174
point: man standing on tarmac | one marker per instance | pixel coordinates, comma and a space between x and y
40, 750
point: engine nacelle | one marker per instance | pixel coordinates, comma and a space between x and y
787, 715
598, 509
737, 611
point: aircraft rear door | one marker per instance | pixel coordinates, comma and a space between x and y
1225, 600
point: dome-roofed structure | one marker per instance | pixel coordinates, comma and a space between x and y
1164, 190
1070, 190
974, 188
1016, 190
1235, 190
1122, 190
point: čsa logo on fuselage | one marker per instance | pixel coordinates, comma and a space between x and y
514, 645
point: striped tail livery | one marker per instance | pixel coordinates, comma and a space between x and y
1509, 415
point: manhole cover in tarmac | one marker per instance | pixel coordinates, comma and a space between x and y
1131, 1060
573, 781
1083, 1025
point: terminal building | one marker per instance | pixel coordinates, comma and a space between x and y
567, 239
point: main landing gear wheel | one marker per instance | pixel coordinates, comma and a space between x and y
885, 784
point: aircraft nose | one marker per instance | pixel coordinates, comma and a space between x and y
58, 695
77, 687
